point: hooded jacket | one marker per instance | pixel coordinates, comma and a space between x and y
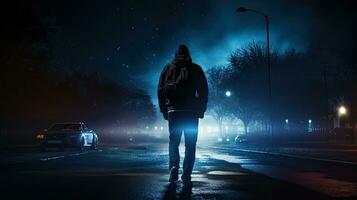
195, 95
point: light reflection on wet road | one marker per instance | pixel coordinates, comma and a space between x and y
297, 171
140, 172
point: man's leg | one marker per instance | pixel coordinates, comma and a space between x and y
190, 149
175, 138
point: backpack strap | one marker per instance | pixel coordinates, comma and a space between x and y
171, 67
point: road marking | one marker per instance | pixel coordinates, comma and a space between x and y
51, 158
77, 154
63, 156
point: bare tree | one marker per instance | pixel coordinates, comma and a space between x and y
248, 81
218, 103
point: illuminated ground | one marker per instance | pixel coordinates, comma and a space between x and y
139, 171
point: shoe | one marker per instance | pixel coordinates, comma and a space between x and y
173, 174
186, 190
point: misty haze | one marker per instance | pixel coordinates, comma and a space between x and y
178, 100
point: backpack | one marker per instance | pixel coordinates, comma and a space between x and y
176, 81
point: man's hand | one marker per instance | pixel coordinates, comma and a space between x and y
166, 116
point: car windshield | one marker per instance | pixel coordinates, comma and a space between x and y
65, 127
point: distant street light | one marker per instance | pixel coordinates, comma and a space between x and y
342, 111
286, 126
243, 9
228, 93
309, 128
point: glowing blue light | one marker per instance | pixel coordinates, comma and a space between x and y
310, 121
227, 139
286, 121
228, 93
219, 139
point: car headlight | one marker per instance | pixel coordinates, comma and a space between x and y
40, 136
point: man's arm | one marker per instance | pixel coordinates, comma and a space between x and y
160, 93
203, 93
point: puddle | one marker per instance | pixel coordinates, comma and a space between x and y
226, 173
232, 159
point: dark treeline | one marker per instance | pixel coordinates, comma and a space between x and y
33, 91
35, 95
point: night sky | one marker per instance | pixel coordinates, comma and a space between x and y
130, 41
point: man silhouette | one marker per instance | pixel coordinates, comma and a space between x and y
182, 94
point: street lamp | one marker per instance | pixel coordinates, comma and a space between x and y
228, 93
266, 17
342, 110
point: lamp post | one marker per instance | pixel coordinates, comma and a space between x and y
266, 17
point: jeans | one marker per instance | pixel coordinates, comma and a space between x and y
187, 123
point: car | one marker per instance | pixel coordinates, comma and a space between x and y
71, 134
240, 139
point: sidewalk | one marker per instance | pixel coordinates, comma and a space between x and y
324, 152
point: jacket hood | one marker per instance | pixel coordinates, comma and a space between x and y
182, 55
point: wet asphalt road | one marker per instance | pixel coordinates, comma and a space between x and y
139, 171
